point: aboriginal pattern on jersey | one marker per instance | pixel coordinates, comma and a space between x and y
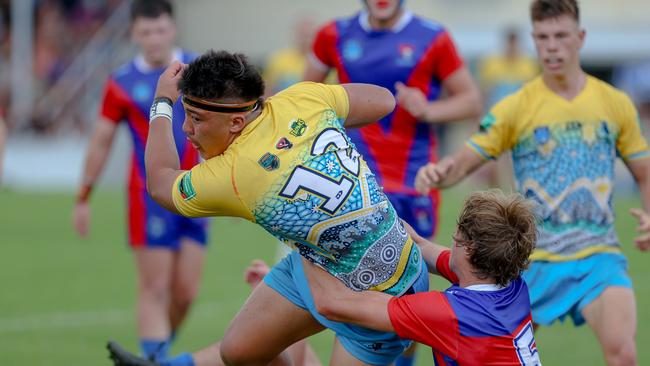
568, 168
350, 228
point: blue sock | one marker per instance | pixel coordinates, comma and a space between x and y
403, 360
153, 349
184, 359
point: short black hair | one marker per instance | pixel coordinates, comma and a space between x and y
221, 74
150, 9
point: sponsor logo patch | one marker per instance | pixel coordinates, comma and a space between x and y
185, 187
283, 143
269, 162
297, 127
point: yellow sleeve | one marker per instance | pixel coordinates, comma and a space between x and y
207, 190
496, 131
631, 144
334, 96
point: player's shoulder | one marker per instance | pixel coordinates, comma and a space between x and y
187, 56
428, 25
125, 70
607, 91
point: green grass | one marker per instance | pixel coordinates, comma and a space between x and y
63, 297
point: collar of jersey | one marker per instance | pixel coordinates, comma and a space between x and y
485, 287
364, 21
144, 67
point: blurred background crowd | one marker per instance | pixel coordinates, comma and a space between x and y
55, 56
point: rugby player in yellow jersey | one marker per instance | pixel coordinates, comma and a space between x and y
565, 130
286, 164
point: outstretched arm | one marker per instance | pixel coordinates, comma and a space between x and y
337, 302
161, 157
430, 250
448, 171
368, 104
640, 169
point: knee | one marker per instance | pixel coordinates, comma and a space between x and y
621, 354
154, 288
235, 353
183, 294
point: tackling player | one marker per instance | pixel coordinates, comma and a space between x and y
168, 248
287, 165
484, 317
565, 130
387, 45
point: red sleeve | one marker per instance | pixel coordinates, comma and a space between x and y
447, 58
426, 317
114, 104
324, 47
442, 266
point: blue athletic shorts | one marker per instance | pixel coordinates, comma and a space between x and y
558, 289
152, 226
421, 212
370, 346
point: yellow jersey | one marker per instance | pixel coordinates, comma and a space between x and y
294, 171
563, 155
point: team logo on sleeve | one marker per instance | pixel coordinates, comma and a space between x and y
283, 143
269, 162
185, 187
297, 127
487, 122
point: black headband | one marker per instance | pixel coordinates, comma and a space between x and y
220, 107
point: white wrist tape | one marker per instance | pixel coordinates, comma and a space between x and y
161, 107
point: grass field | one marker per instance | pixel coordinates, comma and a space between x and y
63, 298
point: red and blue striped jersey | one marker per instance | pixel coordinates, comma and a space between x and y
417, 52
128, 95
475, 325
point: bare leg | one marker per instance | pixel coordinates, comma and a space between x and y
300, 352
612, 316
154, 282
340, 356
186, 279
265, 326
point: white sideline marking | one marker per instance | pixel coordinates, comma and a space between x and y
90, 318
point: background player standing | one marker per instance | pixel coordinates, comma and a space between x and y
415, 58
168, 248
565, 130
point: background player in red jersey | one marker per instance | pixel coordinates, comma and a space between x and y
168, 248
484, 318
415, 58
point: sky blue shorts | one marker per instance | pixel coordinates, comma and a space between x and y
558, 289
370, 346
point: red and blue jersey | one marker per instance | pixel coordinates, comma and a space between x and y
417, 52
474, 325
128, 95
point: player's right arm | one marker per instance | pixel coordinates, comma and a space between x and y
367, 104
113, 110
496, 135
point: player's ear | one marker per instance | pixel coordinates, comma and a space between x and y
237, 123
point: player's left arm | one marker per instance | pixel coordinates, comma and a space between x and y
633, 148
430, 250
640, 169
161, 158
464, 96
337, 302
